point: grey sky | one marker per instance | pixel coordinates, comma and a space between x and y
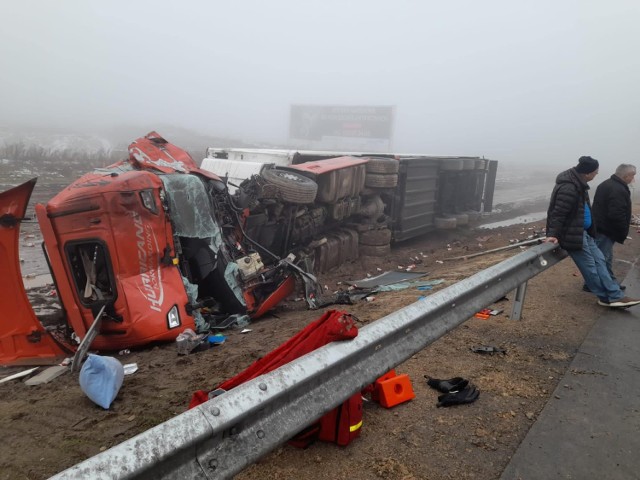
510, 80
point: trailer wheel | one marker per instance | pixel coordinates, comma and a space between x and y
377, 180
481, 164
374, 250
445, 223
452, 164
375, 237
461, 218
292, 187
469, 164
474, 216
382, 165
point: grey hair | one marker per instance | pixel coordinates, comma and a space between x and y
624, 169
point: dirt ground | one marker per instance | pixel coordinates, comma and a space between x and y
51, 427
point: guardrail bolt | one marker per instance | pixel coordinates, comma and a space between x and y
213, 464
260, 434
215, 411
263, 386
543, 262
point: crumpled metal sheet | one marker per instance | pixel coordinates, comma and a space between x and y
386, 278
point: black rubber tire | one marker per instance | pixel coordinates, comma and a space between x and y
461, 218
445, 223
292, 186
374, 250
469, 164
375, 237
382, 165
452, 164
473, 215
377, 180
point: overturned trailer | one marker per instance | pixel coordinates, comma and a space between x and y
366, 200
154, 244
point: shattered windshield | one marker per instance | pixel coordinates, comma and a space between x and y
190, 208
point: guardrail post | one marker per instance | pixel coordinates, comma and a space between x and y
518, 301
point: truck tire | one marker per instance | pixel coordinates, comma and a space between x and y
374, 250
292, 187
461, 218
377, 180
452, 164
375, 237
474, 216
445, 223
469, 164
382, 165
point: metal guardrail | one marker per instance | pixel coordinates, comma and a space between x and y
222, 436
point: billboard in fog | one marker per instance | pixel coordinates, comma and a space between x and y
342, 126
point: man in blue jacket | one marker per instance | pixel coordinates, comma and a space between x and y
612, 212
570, 224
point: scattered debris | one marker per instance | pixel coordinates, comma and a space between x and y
216, 339
499, 249
130, 368
187, 341
403, 285
490, 349
21, 374
386, 278
47, 375
483, 314
246, 330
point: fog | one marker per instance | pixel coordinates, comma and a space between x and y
539, 82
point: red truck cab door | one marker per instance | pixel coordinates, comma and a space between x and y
23, 339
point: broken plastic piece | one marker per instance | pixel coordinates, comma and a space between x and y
216, 339
488, 349
130, 368
187, 341
483, 314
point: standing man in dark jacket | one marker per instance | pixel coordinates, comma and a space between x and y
612, 211
569, 223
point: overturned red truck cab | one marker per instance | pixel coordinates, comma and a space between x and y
155, 244
159, 243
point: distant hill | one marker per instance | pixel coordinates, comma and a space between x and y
38, 145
